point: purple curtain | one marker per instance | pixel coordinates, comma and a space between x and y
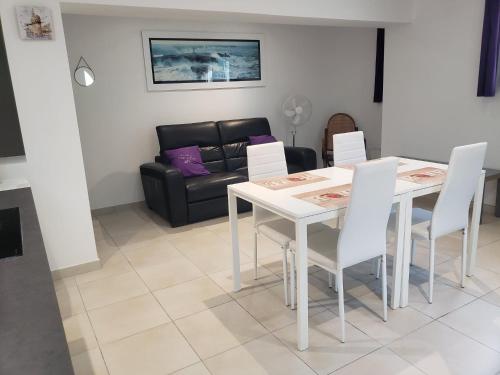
378, 92
490, 47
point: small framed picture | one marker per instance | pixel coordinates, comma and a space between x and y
35, 22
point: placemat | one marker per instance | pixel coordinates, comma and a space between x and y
289, 181
332, 197
424, 176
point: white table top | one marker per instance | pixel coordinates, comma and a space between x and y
284, 201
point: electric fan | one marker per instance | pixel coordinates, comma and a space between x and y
297, 110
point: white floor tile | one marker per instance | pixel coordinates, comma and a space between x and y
479, 320
437, 349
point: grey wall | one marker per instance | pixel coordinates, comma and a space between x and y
11, 140
333, 67
431, 72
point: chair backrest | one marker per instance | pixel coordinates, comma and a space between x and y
338, 123
451, 212
363, 235
266, 160
349, 148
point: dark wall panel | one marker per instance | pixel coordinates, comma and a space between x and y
11, 141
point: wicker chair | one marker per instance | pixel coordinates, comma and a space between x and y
338, 123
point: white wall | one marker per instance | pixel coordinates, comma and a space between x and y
349, 61
53, 163
431, 71
117, 115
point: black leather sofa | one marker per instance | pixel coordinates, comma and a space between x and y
223, 145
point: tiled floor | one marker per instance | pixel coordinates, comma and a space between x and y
162, 304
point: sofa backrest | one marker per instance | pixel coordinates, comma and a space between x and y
202, 134
234, 139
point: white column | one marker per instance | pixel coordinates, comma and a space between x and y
41, 78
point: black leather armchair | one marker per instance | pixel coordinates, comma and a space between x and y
222, 145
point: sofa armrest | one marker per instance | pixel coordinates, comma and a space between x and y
303, 156
165, 192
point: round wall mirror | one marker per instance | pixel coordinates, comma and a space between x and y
83, 74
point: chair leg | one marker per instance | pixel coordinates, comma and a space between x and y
330, 280
413, 246
292, 281
255, 272
378, 268
285, 274
340, 284
374, 267
384, 284
464, 257
431, 269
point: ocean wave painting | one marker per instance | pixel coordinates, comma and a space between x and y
175, 60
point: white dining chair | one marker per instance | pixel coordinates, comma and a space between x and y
265, 161
363, 235
451, 212
349, 148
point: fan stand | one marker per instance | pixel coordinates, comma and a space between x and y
294, 132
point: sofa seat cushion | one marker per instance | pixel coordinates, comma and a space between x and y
211, 186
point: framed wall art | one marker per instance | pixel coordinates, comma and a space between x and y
198, 61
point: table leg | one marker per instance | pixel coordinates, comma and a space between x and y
398, 255
233, 222
302, 286
474, 226
405, 274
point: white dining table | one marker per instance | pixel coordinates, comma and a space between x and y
283, 203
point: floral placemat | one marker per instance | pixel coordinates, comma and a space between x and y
332, 197
424, 176
291, 180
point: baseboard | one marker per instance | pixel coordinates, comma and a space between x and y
111, 209
76, 270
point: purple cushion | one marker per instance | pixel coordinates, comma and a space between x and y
260, 139
187, 160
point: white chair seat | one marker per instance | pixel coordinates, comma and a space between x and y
322, 248
282, 231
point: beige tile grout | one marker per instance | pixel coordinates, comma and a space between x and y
93, 329
172, 321
233, 298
